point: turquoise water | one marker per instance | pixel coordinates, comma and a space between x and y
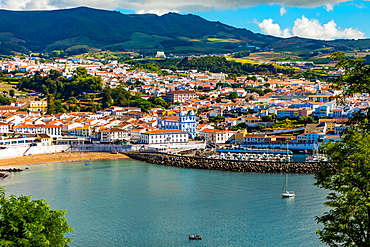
131, 203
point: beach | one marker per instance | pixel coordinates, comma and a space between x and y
60, 157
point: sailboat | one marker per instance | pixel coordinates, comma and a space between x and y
286, 192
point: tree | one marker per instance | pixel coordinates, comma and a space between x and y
4, 100
11, 92
306, 119
348, 222
26, 222
354, 80
269, 117
233, 95
158, 102
51, 109
107, 97
347, 175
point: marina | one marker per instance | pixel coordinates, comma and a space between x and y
273, 157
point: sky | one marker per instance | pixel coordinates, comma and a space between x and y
316, 19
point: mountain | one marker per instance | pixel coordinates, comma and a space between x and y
112, 30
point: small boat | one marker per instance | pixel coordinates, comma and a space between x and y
88, 164
286, 192
195, 237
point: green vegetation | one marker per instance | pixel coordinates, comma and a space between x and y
233, 95
60, 87
242, 54
347, 176
4, 100
121, 97
348, 221
12, 48
26, 222
217, 119
220, 64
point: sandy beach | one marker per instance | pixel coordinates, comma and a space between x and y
59, 157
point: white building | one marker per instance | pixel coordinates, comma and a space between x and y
4, 128
164, 136
216, 136
184, 122
114, 134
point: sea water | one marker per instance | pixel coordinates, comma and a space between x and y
131, 203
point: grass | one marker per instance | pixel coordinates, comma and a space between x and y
224, 40
7, 86
243, 60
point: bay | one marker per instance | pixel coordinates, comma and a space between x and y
132, 203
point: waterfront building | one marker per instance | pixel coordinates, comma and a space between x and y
240, 135
16, 142
217, 136
71, 140
114, 134
45, 139
164, 136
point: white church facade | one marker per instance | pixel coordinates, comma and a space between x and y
182, 121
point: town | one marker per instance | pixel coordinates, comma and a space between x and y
204, 110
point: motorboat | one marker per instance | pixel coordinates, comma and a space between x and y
195, 237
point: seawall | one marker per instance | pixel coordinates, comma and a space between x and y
223, 165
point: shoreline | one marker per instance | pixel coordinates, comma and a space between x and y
58, 158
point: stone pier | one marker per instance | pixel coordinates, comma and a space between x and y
223, 165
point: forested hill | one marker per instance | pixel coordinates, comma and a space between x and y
112, 30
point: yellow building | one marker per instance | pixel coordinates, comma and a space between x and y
40, 106
239, 136
46, 140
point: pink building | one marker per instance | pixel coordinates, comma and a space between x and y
180, 96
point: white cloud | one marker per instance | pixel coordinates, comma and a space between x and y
329, 7
310, 28
283, 11
267, 26
159, 6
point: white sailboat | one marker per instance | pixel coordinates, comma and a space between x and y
286, 192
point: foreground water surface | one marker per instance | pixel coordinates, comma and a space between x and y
131, 203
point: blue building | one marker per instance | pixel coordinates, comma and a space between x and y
182, 121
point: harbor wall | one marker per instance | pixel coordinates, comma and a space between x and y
21, 151
223, 165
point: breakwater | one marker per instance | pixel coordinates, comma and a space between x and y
5, 175
223, 165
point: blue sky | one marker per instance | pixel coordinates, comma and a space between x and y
318, 19
346, 15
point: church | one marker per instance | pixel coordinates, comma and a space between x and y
184, 121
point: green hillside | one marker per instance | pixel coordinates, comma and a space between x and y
112, 30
